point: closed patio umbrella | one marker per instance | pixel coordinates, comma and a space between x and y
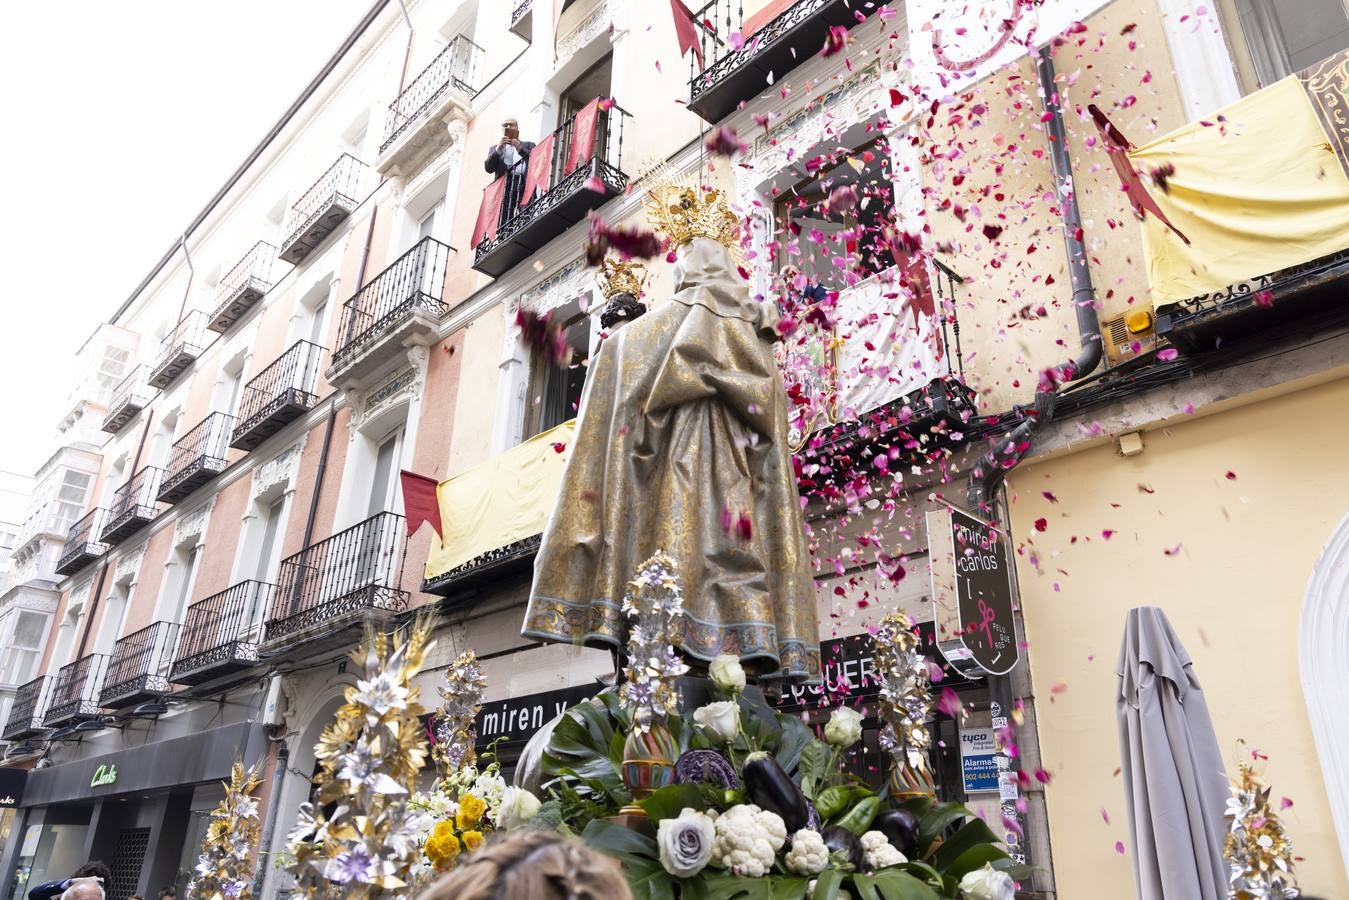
1175, 785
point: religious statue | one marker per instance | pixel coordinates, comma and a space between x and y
621, 283
680, 446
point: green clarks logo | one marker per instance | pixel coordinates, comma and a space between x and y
104, 775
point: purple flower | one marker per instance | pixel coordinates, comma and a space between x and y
351, 865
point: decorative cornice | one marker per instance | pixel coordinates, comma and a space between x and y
193, 524
129, 565
279, 470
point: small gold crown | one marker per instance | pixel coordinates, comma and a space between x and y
682, 210
618, 276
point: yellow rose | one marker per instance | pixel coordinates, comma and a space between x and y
471, 809
472, 840
443, 829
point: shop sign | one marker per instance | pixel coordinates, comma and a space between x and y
972, 592
848, 672
978, 763
517, 718
104, 775
12, 782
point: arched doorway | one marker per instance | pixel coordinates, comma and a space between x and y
1324, 664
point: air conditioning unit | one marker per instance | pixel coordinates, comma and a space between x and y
1128, 335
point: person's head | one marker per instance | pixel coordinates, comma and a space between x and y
511, 128
135, 897
94, 868
84, 888
168, 893
532, 865
620, 310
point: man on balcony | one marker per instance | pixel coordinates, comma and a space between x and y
510, 158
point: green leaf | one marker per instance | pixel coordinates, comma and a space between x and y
619, 840
859, 818
717, 885
896, 884
974, 832
795, 736
827, 884
863, 887
1017, 871
917, 805
975, 857
935, 821
814, 761
668, 802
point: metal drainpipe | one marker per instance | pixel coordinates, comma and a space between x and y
273, 804
988, 473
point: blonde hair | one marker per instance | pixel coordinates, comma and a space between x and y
532, 865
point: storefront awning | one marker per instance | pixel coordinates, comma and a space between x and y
1257, 187
500, 502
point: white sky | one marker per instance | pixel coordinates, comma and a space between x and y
122, 120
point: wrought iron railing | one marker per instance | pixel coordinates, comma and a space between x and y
129, 397
337, 186
77, 689
944, 289
606, 163
416, 280
181, 345
139, 664
204, 448
453, 68
287, 380
134, 501
29, 708
215, 630
251, 274
351, 572
83, 539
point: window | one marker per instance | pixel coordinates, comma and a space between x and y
1276, 38
271, 529
384, 481
316, 317
555, 391
427, 225
229, 386
112, 368
182, 587
596, 82
25, 647
68, 504
114, 617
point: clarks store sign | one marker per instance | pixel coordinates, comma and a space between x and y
12, 783
104, 775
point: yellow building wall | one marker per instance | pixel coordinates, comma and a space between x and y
1228, 558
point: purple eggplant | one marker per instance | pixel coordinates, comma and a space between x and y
770, 788
900, 827
842, 841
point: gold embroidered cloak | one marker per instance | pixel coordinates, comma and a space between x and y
681, 446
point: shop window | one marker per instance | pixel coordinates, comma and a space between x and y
555, 390
1275, 38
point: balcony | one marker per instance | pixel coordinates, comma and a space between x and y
415, 130
29, 710
525, 480
133, 506
522, 20
398, 308
216, 637
330, 591
243, 286
84, 543
562, 201
279, 394
75, 694
179, 350
777, 39
138, 669
129, 397
322, 208
196, 457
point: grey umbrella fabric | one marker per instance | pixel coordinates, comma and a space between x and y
1175, 784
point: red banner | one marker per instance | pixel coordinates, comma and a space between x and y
686, 31
420, 503
1117, 146
540, 161
489, 214
582, 136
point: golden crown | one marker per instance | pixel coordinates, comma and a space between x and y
618, 276
682, 210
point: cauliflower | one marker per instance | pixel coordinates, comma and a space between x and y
880, 852
747, 839
809, 855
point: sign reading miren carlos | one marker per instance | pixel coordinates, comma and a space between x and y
971, 592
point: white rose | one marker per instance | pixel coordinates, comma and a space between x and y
685, 843
518, 807
844, 728
987, 884
727, 674
720, 720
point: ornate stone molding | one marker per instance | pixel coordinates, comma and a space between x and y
79, 597
567, 283
447, 160
279, 470
129, 565
402, 386
193, 524
599, 20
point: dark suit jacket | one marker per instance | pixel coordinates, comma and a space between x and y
494, 163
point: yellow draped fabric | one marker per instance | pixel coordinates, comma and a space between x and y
504, 500
681, 446
1257, 187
